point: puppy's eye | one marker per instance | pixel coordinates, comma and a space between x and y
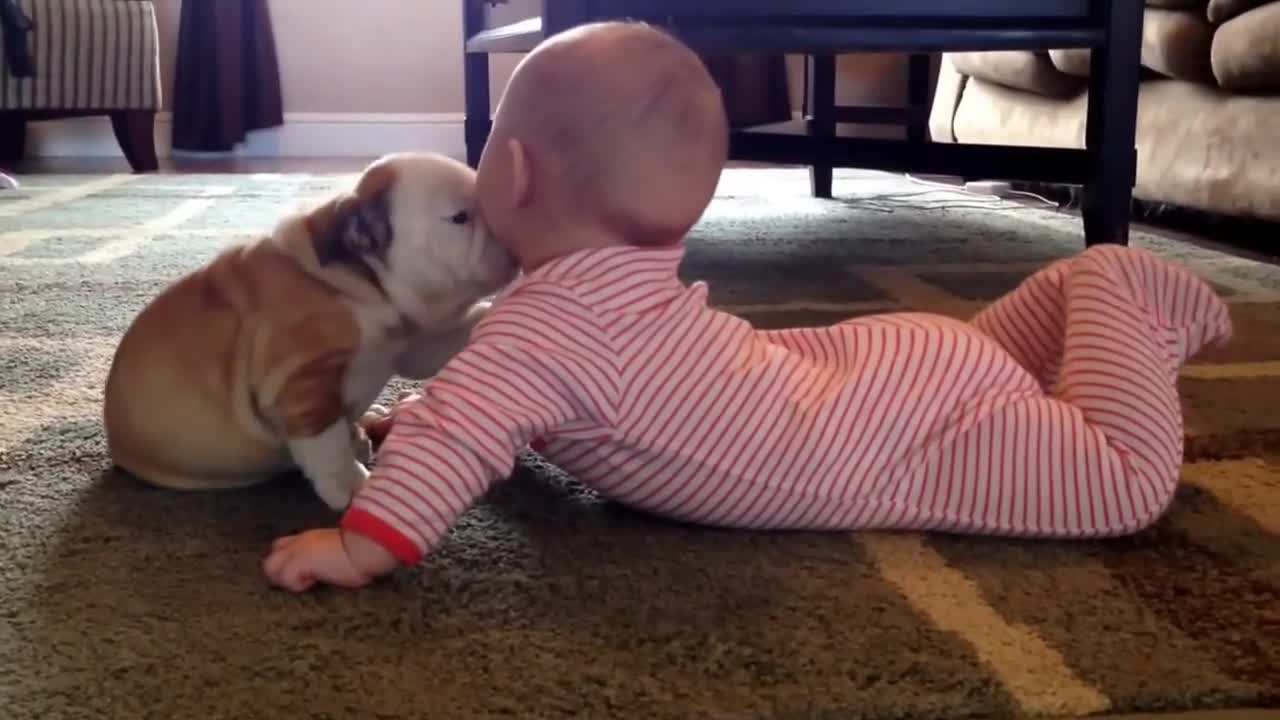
462, 217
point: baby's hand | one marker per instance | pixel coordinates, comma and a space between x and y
330, 556
377, 421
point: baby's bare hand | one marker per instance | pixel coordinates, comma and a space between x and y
298, 562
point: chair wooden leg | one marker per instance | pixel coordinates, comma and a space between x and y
13, 137
135, 131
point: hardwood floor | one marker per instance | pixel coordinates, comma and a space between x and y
171, 166
174, 166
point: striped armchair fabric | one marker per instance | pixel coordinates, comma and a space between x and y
92, 57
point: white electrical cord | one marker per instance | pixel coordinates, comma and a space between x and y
994, 189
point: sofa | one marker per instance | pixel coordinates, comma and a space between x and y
90, 57
1209, 100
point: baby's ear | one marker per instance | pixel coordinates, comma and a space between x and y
355, 225
521, 174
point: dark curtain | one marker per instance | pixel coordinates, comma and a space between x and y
14, 29
754, 87
227, 81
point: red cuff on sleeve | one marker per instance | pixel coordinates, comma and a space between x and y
371, 526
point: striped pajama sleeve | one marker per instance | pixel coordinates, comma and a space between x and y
517, 379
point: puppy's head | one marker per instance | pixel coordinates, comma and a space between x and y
410, 227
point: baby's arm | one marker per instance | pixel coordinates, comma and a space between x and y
519, 378
447, 447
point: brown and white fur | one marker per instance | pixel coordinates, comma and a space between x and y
262, 360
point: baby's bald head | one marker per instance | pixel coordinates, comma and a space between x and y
623, 125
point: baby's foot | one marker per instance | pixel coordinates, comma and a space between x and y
1184, 308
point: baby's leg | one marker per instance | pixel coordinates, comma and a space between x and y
1029, 322
1103, 456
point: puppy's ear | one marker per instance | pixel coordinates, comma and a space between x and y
356, 225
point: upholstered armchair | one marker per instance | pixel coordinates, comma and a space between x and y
88, 57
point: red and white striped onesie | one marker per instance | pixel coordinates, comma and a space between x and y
1053, 413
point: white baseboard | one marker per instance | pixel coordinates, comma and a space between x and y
302, 135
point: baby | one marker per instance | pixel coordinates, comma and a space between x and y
1053, 413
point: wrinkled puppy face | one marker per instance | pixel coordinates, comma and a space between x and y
411, 227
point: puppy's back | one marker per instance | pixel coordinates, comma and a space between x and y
178, 405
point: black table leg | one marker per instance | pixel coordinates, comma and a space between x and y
823, 121
1112, 126
475, 79
477, 123
918, 97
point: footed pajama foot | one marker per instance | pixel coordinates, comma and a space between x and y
1184, 308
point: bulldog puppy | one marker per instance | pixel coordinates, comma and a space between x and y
262, 360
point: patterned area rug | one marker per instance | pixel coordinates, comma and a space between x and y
119, 601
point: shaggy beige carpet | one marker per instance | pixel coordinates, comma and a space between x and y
120, 601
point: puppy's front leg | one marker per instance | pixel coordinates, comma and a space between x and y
328, 459
302, 394
361, 444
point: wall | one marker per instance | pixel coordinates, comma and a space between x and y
361, 78
378, 56
358, 79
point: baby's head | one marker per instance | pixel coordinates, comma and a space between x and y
609, 133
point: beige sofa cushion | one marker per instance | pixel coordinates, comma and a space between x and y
1246, 50
993, 115
1072, 61
946, 98
1221, 11
1197, 147
1175, 43
1178, 44
1020, 69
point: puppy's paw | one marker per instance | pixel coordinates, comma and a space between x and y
334, 498
337, 490
361, 445
328, 460
358, 478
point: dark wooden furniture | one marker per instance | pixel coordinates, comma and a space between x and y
822, 29
134, 131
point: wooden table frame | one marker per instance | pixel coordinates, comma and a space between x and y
1110, 29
